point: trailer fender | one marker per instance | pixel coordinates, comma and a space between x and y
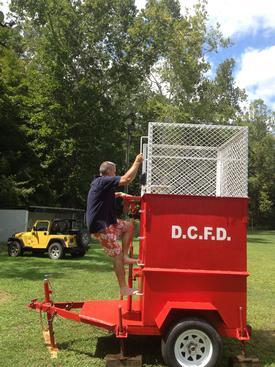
195, 307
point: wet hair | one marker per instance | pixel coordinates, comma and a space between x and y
104, 167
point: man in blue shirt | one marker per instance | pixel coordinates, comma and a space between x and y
102, 221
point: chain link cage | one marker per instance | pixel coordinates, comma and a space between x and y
201, 160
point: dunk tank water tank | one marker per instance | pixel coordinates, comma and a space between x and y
193, 218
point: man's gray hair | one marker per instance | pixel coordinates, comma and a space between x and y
103, 169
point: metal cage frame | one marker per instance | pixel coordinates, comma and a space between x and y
196, 159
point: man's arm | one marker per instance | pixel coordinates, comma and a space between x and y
122, 194
129, 176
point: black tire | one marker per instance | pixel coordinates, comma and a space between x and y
56, 251
83, 238
192, 342
15, 249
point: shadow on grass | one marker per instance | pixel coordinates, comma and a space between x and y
33, 266
262, 346
147, 346
256, 240
68, 346
261, 233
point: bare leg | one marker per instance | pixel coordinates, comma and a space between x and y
126, 240
120, 273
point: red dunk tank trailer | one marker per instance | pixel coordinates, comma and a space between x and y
192, 244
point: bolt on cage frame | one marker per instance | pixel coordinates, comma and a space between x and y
195, 159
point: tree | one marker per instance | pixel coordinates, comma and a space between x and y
80, 74
81, 80
16, 160
260, 121
179, 87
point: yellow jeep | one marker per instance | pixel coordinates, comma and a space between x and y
57, 237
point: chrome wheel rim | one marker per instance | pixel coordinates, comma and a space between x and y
55, 252
193, 348
14, 250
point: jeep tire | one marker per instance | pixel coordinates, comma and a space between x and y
83, 238
56, 251
15, 249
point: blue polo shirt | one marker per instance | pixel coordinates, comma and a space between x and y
101, 203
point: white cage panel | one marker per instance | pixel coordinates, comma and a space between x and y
187, 159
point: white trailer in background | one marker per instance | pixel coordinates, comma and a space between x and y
12, 221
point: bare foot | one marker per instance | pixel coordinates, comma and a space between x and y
129, 292
129, 260
140, 263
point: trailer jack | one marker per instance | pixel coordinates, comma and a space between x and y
48, 332
120, 359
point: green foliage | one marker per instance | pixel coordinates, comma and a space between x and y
81, 79
80, 75
182, 89
16, 160
261, 164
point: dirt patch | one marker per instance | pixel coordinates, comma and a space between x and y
4, 297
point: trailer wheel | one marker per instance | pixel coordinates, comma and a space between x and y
14, 249
191, 343
56, 251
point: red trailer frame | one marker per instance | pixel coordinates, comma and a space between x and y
194, 253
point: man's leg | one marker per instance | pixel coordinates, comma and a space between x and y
120, 273
127, 238
113, 249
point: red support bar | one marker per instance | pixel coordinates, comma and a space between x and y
68, 305
50, 329
47, 291
121, 331
131, 199
53, 310
241, 321
67, 314
120, 325
196, 271
130, 279
50, 315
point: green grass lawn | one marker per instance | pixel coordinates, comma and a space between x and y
22, 344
